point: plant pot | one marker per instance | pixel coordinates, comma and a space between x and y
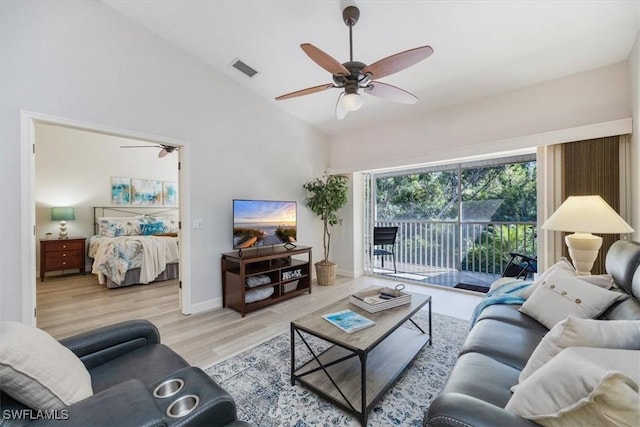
326, 273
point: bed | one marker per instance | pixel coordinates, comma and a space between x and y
135, 245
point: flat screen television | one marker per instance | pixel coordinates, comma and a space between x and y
263, 223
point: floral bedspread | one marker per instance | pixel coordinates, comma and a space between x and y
114, 256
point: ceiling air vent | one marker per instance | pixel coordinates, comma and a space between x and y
243, 68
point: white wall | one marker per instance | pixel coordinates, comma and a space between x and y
74, 168
85, 62
347, 240
634, 73
489, 125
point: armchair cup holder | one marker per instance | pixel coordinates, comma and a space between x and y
168, 388
183, 406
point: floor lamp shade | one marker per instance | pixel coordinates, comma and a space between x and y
583, 215
63, 214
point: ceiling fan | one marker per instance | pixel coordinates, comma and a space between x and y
353, 75
165, 149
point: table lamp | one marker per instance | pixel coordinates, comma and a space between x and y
63, 215
584, 215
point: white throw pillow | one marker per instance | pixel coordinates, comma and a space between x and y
582, 386
576, 332
604, 281
38, 371
559, 296
562, 267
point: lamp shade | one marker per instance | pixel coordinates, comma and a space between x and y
586, 214
62, 214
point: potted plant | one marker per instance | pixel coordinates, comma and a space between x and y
326, 196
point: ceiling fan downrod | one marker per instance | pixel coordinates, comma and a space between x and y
350, 16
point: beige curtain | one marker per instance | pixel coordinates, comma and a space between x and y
549, 166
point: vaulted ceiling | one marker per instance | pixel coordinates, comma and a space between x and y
480, 47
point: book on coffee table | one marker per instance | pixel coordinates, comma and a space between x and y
349, 321
378, 299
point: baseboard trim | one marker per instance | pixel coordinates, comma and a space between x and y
208, 305
350, 274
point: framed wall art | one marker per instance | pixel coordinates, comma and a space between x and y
146, 192
120, 191
169, 193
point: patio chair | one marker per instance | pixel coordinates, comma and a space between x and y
520, 266
386, 238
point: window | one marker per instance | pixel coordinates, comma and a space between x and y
465, 216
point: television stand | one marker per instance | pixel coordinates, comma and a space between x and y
287, 276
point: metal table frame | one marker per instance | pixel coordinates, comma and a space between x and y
361, 412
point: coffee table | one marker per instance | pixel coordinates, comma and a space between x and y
359, 367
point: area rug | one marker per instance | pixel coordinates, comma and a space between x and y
259, 381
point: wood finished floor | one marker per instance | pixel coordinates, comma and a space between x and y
68, 305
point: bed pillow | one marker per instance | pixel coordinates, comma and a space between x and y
116, 226
170, 223
559, 296
576, 332
152, 228
38, 371
582, 386
562, 267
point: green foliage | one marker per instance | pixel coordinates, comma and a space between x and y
489, 253
434, 195
502, 193
326, 196
243, 234
424, 196
513, 185
286, 234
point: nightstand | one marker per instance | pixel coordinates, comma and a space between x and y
61, 254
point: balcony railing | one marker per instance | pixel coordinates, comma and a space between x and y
478, 247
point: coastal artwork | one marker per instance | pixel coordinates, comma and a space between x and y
120, 191
169, 193
263, 222
146, 192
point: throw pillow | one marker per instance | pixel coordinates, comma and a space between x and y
38, 371
563, 267
152, 228
604, 281
576, 332
559, 296
170, 223
582, 386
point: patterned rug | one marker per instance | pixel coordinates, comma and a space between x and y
259, 381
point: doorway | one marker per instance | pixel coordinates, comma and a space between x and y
63, 194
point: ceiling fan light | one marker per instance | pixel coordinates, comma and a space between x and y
351, 101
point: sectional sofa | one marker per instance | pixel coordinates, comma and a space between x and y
505, 346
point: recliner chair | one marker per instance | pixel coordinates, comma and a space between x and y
136, 381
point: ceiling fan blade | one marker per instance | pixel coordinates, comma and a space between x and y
398, 62
341, 112
306, 91
391, 93
139, 146
324, 60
